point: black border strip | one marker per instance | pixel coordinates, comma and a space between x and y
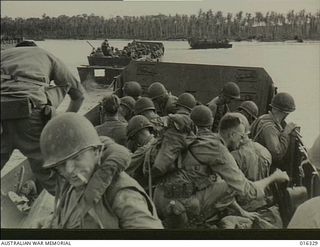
30, 234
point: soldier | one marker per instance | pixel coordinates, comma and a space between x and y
179, 132
112, 126
254, 160
145, 107
28, 101
271, 130
208, 174
219, 105
96, 193
98, 53
133, 89
250, 110
163, 101
139, 132
104, 47
126, 108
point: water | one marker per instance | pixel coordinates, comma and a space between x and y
294, 68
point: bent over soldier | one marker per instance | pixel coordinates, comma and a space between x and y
28, 101
85, 198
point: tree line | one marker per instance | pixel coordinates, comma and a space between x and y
270, 26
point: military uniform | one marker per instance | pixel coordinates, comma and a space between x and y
114, 128
124, 205
218, 111
253, 159
269, 133
26, 73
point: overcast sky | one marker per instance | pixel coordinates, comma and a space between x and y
145, 7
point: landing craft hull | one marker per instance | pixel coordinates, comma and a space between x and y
204, 81
210, 46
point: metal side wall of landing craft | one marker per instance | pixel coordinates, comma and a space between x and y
203, 81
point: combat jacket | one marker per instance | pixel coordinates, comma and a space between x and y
115, 129
214, 153
269, 133
253, 159
32, 69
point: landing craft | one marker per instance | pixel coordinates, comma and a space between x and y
204, 82
109, 67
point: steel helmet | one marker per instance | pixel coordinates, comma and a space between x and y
283, 102
156, 90
128, 102
110, 103
232, 90
136, 124
132, 88
65, 136
143, 104
250, 107
186, 100
202, 116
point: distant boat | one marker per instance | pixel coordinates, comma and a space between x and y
123, 61
208, 44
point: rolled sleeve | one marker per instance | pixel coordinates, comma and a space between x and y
132, 210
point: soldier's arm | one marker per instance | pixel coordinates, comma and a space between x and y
276, 142
113, 161
227, 168
62, 76
132, 211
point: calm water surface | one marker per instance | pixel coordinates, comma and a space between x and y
294, 68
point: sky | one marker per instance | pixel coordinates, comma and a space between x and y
109, 9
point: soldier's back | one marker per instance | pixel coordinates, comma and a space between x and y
115, 129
